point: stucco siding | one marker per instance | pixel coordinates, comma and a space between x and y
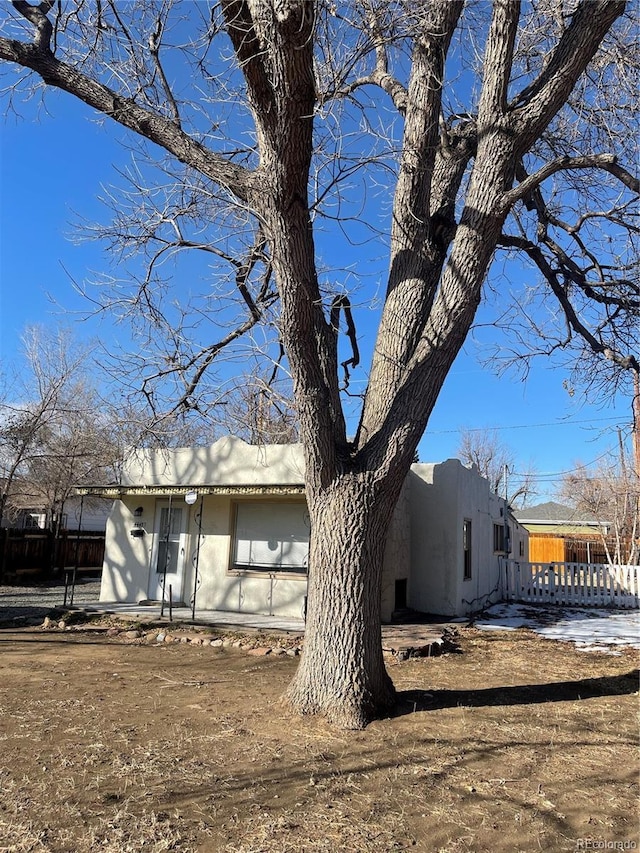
228, 462
128, 562
442, 496
125, 572
221, 588
434, 537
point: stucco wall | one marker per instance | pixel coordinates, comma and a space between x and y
230, 461
442, 496
128, 561
125, 572
434, 539
396, 555
482, 507
220, 588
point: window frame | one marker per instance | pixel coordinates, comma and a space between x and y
467, 549
257, 570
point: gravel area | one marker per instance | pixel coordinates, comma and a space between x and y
30, 604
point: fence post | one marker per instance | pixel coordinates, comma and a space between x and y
551, 575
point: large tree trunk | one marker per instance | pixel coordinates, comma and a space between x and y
342, 673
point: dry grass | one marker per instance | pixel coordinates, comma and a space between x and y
515, 744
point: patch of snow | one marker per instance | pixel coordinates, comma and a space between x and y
606, 650
589, 628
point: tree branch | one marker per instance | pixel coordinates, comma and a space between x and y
154, 50
380, 76
627, 362
607, 162
342, 303
125, 111
498, 60
37, 15
535, 106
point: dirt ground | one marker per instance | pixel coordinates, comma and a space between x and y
122, 744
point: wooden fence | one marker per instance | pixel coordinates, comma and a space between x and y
584, 584
40, 555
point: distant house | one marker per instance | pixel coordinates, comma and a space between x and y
87, 515
228, 524
559, 533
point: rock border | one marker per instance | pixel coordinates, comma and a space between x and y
177, 634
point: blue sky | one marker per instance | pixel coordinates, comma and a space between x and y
52, 166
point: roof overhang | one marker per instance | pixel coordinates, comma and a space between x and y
118, 492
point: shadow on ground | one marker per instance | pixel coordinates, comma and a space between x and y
410, 701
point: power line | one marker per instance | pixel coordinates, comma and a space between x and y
521, 426
548, 476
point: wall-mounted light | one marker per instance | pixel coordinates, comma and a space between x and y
138, 511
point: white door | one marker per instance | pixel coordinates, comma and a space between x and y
167, 559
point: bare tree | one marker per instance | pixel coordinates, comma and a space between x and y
497, 464
473, 128
609, 493
54, 429
32, 407
258, 414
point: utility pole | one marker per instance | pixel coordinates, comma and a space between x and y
635, 408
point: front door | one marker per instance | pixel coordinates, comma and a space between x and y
167, 566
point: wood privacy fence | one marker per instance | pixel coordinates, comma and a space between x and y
40, 555
585, 584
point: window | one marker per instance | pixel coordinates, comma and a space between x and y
501, 539
271, 536
466, 548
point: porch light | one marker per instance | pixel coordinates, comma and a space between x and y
138, 512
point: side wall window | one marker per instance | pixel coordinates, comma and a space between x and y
466, 548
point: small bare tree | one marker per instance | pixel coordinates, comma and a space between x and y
258, 414
497, 464
55, 433
610, 493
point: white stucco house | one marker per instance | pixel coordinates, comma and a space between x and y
228, 524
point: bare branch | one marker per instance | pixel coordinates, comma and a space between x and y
594, 161
37, 15
342, 303
126, 112
539, 102
627, 362
154, 49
